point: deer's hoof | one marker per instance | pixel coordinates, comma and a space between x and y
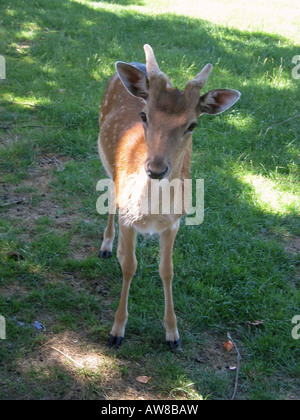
105, 254
175, 345
115, 341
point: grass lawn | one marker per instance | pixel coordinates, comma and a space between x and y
237, 273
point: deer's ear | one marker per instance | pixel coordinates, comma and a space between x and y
134, 80
217, 101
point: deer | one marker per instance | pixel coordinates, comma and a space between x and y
146, 128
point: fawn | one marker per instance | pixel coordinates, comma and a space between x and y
146, 134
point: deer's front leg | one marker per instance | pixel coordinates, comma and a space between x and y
167, 239
127, 259
108, 238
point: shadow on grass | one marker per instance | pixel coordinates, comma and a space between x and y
71, 366
60, 56
54, 49
75, 45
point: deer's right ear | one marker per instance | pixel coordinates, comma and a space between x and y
134, 80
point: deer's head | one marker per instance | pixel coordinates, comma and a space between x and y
170, 115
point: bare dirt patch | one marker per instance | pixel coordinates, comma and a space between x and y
18, 199
90, 370
213, 354
33, 198
292, 245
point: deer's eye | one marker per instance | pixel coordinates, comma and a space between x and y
143, 117
192, 127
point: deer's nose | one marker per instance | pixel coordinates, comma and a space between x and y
155, 171
157, 175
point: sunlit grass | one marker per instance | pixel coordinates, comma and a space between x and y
269, 196
270, 16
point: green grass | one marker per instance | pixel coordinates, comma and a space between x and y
240, 266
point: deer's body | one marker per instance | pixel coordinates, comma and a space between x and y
122, 132
146, 133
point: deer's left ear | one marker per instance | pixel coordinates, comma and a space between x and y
134, 79
217, 101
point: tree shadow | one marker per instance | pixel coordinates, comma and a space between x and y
72, 366
54, 49
63, 49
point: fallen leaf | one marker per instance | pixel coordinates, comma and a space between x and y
143, 379
228, 345
93, 249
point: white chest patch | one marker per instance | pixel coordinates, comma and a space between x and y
141, 208
133, 196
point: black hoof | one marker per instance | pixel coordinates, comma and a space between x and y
175, 345
105, 254
115, 341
